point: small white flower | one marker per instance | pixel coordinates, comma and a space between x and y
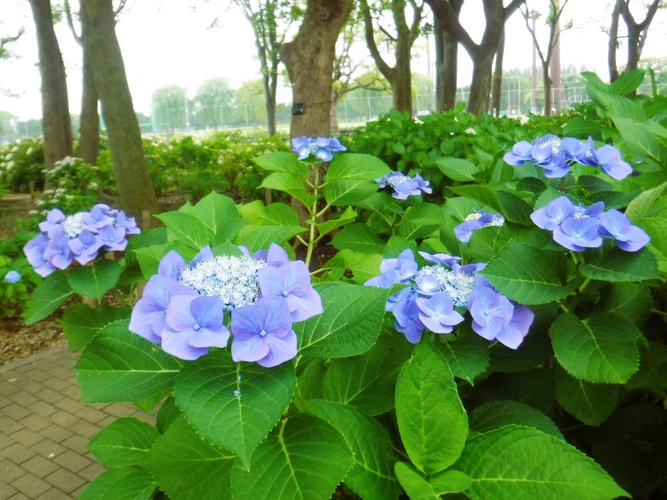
73, 225
40, 203
33, 212
457, 284
470, 131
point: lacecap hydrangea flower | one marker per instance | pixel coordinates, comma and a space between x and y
555, 156
65, 238
403, 185
321, 148
477, 220
189, 308
438, 293
12, 277
578, 228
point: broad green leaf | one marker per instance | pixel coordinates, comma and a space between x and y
457, 169
368, 381
167, 415
149, 258
619, 266
460, 207
643, 204
120, 366
415, 485
514, 208
601, 348
188, 468
627, 82
656, 227
81, 323
638, 139
95, 280
275, 214
372, 475
358, 238
427, 401
632, 301
125, 483
49, 295
420, 220
332, 224
206, 393
363, 266
449, 481
349, 324
382, 204
590, 403
260, 237
185, 228
282, 162
123, 442
500, 413
303, 458
529, 275
652, 373
157, 236
467, 353
481, 194
220, 218
351, 178
292, 185
521, 463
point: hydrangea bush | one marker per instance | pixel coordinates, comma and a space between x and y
414, 359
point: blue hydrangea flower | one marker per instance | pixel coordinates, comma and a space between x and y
475, 221
12, 277
551, 216
616, 225
321, 148
52, 226
263, 333
34, 252
58, 253
435, 291
609, 160
291, 281
403, 185
97, 218
85, 246
520, 154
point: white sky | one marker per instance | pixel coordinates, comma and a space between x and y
168, 42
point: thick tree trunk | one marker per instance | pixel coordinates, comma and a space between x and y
401, 83
309, 60
498, 76
546, 83
270, 84
613, 42
633, 48
56, 124
480, 89
99, 37
447, 54
89, 132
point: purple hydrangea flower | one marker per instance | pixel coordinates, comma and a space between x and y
263, 333
512, 334
551, 216
475, 221
52, 226
193, 325
440, 258
112, 238
34, 252
127, 223
291, 282
491, 312
275, 256
172, 263
437, 313
578, 234
321, 148
85, 246
610, 161
403, 185
97, 218
58, 253
614, 224
520, 154
408, 321
12, 277
404, 266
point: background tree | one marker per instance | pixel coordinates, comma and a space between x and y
637, 32
552, 21
170, 107
99, 37
56, 124
5, 41
446, 61
309, 60
212, 102
406, 29
483, 53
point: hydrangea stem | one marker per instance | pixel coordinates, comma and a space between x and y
313, 218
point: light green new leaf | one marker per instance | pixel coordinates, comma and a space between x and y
185, 228
521, 463
120, 366
601, 348
81, 323
427, 401
349, 324
345, 218
205, 392
291, 184
620, 266
372, 476
529, 275
125, 483
479, 193
95, 280
449, 481
590, 403
187, 467
219, 215
282, 162
358, 238
275, 214
49, 295
503, 412
656, 227
303, 458
149, 258
420, 220
351, 178
457, 169
363, 266
414, 484
123, 442
260, 237
642, 205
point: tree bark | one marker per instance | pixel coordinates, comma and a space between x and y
447, 55
480, 89
56, 124
498, 76
99, 37
89, 130
546, 83
309, 60
613, 42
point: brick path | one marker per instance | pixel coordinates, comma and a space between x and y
44, 428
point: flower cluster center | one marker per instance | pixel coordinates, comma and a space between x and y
73, 225
233, 279
457, 284
554, 142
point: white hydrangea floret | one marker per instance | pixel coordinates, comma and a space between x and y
233, 279
73, 225
457, 284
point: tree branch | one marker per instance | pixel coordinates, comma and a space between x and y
382, 66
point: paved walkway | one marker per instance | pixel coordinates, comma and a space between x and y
44, 428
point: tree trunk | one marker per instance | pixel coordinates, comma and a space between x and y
401, 83
613, 42
480, 89
447, 54
99, 37
546, 83
89, 130
498, 76
56, 124
633, 48
309, 60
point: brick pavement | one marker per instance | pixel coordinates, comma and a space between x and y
44, 428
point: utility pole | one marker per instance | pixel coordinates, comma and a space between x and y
554, 69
